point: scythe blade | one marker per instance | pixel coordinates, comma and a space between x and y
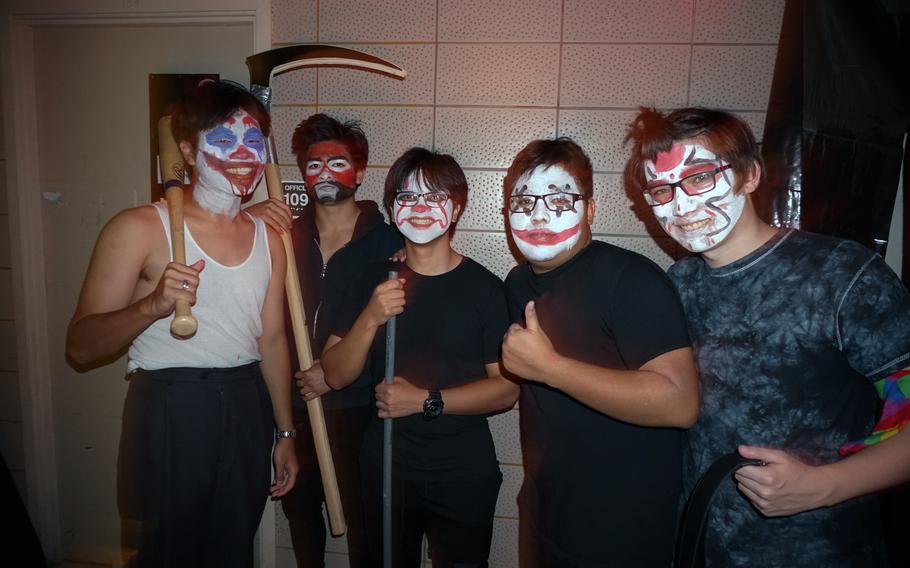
265, 65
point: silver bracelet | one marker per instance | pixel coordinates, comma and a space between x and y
285, 434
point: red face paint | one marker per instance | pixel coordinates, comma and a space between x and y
669, 160
329, 160
241, 176
544, 237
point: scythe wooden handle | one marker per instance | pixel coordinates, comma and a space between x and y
305, 361
170, 164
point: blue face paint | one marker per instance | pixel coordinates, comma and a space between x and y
254, 139
221, 137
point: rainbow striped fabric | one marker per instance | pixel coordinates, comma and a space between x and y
894, 390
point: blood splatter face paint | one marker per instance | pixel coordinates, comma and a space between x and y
697, 222
542, 233
329, 172
230, 160
425, 220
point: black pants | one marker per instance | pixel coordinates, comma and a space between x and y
194, 467
456, 516
303, 505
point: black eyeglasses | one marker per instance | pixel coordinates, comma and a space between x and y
410, 199
526, 202
695, 184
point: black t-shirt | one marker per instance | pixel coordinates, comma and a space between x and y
451, 327
788, 340
602, 491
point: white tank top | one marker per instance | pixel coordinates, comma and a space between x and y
228, 308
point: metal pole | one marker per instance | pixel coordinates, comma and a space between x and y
387, 444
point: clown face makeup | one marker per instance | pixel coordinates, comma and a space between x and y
329, 172
545, 213
421, 214
702, 220
230, 160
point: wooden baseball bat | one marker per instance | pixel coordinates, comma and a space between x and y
305, 361
170, 164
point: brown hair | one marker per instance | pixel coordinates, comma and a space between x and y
322, 128
439, 171
210, 104
561, 151
652, 132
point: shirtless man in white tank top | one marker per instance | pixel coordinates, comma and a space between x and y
199, 419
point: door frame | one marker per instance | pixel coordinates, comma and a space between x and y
33, 347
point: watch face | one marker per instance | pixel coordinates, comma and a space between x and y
432, 407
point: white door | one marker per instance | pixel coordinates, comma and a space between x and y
92, 111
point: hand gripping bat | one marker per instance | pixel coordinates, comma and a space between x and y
170, 164
263, 66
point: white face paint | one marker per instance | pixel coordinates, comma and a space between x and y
543, 234
423, 221
230, 160
697, 222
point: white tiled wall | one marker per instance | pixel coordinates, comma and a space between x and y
485, 78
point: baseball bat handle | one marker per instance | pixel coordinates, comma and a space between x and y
172, 173
183, 324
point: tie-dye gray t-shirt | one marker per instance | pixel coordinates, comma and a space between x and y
788, 340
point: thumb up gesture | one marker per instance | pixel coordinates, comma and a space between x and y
526, 350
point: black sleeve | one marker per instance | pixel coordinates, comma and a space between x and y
383, 243
391, 242
495, 316
355, 300
874, 321
645, 313
516, 312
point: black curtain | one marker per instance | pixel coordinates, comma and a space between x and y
837, 116
833, 144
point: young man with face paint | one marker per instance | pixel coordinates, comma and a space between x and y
451, 315
335, 238
600, 341
791, 331
199, 420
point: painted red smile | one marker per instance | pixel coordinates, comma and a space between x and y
423, 222
241, 175
545, 237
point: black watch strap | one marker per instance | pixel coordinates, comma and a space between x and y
433, 405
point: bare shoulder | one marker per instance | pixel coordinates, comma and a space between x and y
132, 236
121, 257
135, 225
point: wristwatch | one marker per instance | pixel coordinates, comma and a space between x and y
432, 406
285, 434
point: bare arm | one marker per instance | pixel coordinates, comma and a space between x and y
108, 316
343, 359
663, 392
276, 369
488, 394
786, 485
